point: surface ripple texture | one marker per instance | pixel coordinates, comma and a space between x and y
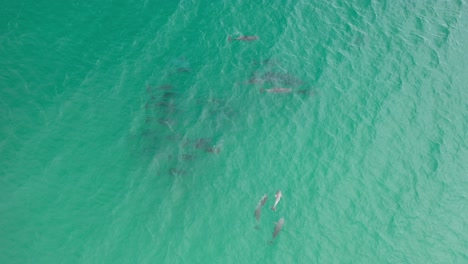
148, 131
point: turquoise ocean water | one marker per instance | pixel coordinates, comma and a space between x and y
136, 132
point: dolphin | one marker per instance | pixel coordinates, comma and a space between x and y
263, 200
168, 94
258, 212
278, 227
214, 150
203, 143
277, 90
243, 38
278, 196
182, 69
261, 203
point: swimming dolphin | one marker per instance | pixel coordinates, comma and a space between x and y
263, 200
258, 212
243, 38
278, 227
261, 203
277, 90
278, 196
203, 143
214, 150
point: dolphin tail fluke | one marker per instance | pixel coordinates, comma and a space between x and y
262, 91
229, 39
273, 208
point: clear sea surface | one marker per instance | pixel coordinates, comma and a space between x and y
148, 131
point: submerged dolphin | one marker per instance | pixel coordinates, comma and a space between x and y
263, 200
258, 210
214, 150
243, 38
278, 196
278, 227
277, 90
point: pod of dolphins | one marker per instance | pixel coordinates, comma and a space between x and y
258, 212
162, 107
